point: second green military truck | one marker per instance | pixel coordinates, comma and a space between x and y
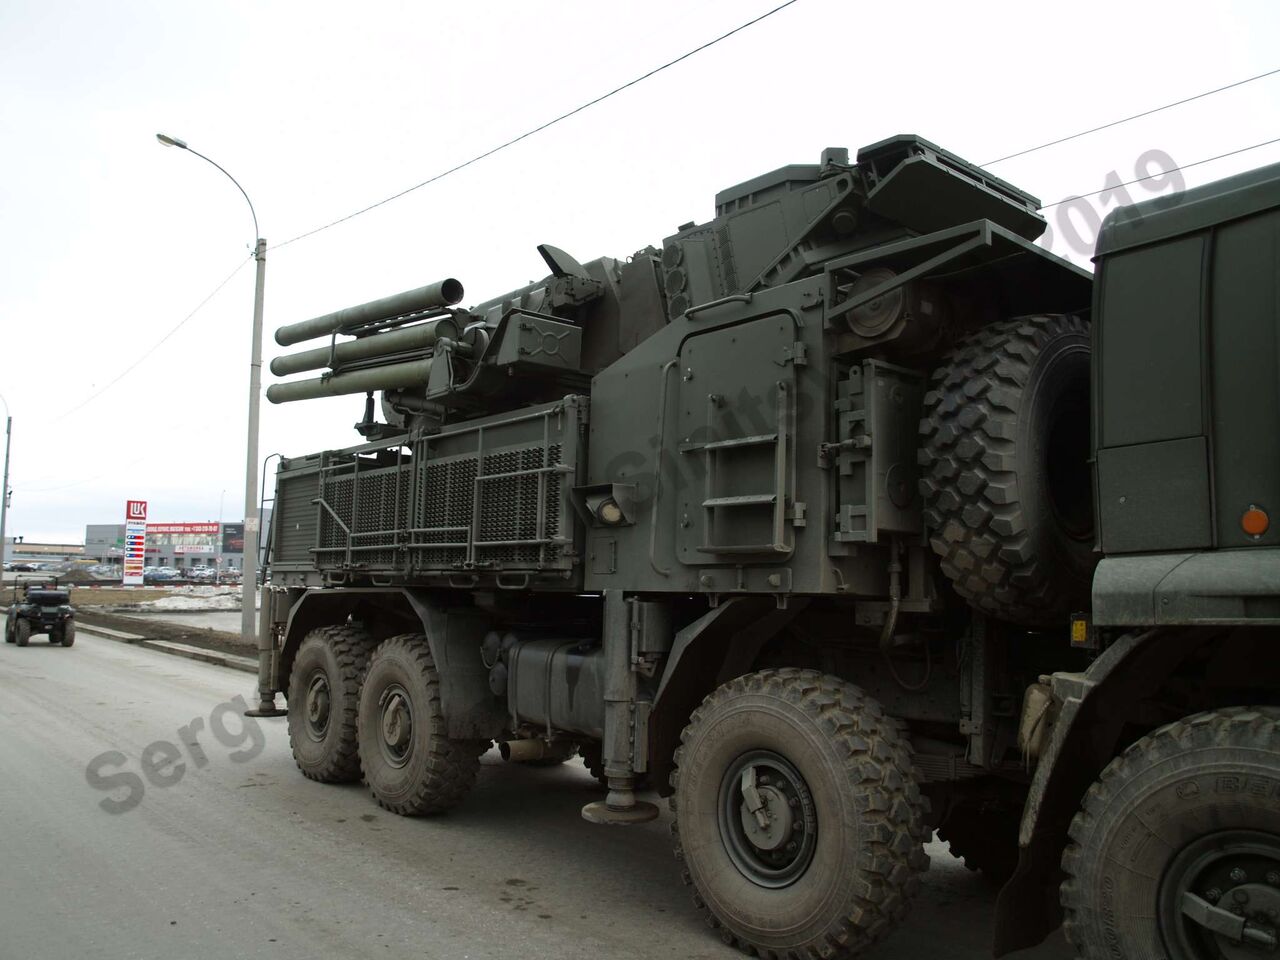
796, 520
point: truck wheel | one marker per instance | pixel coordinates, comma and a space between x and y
797, 815
986, 840
1179, 841
593, 760
22, 633
324, 694
1004, 456
68, 634
410, 764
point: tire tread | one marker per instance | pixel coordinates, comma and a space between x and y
1250, 725
351, 647
968, 482
894, 811
453, 764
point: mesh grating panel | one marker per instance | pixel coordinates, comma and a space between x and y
509, 505
336, 491
419, 514
444, 502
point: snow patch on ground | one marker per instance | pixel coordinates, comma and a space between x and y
196, 598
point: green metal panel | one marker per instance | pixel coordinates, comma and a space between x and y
1219, 587
1150, 344
530, 338
294, 525
1246, 375
1155, 496
737, 429
1200, 208
1124, 588
878, 414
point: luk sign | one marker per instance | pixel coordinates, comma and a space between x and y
135, 540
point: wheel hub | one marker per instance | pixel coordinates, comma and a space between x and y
767, 819
317, 706
1220, 898
396, 724
776, 814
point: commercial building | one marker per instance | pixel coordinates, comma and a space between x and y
17, 551
180, 545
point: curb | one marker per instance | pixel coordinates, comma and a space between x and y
229, 660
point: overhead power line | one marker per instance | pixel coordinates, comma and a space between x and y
538, 129
1136, 116
153, 348
439, 176
1162, 173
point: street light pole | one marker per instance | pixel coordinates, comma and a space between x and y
249, 580
4, 488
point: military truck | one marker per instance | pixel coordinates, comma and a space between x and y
43, 607
1156, 797
789, 519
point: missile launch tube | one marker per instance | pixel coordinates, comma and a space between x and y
417, 337
442, 294
408, 374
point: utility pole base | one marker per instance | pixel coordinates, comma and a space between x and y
600, 812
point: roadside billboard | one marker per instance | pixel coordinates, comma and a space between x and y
233, 538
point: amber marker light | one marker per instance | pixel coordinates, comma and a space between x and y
1255, 521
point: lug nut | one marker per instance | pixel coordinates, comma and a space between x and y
1238, 875
1213, 894
1273, 878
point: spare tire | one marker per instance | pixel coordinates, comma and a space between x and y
1005, 479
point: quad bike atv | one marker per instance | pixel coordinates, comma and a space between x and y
42, 608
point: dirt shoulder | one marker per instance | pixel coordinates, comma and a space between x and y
94, 607
152, 629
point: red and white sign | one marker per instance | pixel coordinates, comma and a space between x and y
135, 541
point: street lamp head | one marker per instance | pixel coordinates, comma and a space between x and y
171, 141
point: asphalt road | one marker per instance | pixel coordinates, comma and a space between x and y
241, 856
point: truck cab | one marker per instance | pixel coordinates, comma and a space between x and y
1153, 804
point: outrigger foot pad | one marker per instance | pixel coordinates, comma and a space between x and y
266, 708
600, 812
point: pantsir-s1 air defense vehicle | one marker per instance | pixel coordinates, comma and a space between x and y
796, 520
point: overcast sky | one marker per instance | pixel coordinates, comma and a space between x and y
320, 108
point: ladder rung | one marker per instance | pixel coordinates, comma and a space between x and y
747, 501
741, 442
